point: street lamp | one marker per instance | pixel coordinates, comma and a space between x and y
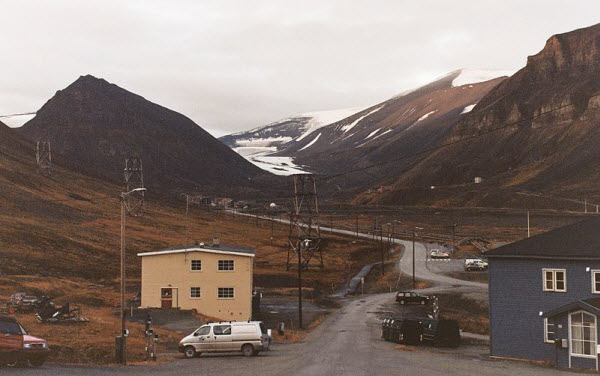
121, 348
413, 258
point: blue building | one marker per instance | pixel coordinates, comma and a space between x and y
545, 297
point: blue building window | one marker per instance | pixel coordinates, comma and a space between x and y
555, 280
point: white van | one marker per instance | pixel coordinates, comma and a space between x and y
248, 337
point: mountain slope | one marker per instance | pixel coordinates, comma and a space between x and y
555, 153
97, 124
403, 124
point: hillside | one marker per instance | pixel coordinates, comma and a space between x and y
61, 237
405, 123
96, 125
553, 154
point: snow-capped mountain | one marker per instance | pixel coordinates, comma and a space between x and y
331, 141
258, 144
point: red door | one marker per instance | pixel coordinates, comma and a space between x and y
166, 298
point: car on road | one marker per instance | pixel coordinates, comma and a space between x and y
410, 297
475, 264
438, 254
18, 347
247, 337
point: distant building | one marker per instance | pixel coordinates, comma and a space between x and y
545, 289
478, 180
216, 280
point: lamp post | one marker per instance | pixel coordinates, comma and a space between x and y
121, 349
413, 258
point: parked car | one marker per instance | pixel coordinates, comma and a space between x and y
409, 297
16, 346
475, 264
438, 254
248, 337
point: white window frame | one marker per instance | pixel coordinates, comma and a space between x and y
226, 270
546, 331
593, 273
199, 290
192, 263
228, 298
554, 271
594, 346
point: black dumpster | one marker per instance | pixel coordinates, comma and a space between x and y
441, 332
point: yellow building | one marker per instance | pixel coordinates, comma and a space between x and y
215, 280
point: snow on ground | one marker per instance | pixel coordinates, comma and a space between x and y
473, 76
320, 119
258, 142
310, 143
373, 133
469, 108
16, 121
381, 134
347, 127
426, 116
260, 156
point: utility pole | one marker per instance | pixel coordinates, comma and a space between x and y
272, 229
454, 236
300, 246
381, 250
414, 281
585, 204
304, 224
187, 221
122, 347
528, 228
413, 258
357, 226
43, 157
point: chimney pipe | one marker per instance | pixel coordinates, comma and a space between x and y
216, 242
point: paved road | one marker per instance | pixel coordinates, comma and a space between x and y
423, 272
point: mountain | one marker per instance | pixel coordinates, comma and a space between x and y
258, 144
538, 132
97, 124
403, 124
356, 138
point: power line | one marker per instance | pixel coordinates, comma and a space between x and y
19, 114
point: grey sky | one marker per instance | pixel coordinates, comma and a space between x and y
233, 65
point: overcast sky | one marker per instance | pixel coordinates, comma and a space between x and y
234, 65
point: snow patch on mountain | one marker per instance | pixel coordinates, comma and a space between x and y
469, 108
474, 76
260, 157
426, 115
372, 133
320, 119
258, 142
311, 143
347, 127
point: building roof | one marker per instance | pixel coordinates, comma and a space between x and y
580, 240
590, 305
222, 249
